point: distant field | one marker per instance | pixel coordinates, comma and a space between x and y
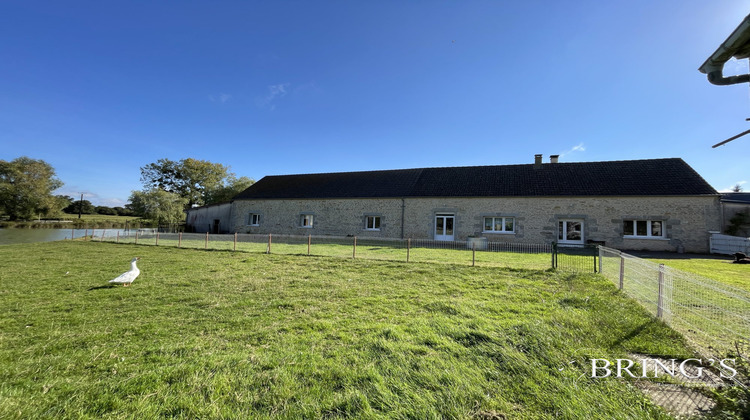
98, 217
719, 268
68, 220
216, 334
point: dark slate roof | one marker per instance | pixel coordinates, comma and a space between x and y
740, 197
650, 177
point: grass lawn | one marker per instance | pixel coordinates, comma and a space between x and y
719, 268
217, 334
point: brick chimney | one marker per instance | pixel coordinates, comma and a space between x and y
537, 161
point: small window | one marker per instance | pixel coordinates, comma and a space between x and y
253, 219
643, 228
499, 224
372, 222
306, 221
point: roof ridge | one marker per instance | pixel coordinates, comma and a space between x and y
475, 166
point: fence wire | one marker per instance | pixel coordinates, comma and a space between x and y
714, 317
489, 254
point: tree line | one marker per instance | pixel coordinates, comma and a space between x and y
169, 189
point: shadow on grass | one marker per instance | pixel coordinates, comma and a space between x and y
633, 333
106, 286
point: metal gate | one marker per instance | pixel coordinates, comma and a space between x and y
582, 259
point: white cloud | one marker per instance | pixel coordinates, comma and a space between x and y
577, 148
729, 189
274, 93
735, 67
222, 97
91, 196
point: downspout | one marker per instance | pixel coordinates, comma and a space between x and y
717, 78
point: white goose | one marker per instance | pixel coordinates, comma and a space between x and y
129, 276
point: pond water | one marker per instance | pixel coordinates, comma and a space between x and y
21, 236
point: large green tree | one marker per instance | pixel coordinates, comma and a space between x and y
82, 207
26, 187
158, 205
232, 186
200, 182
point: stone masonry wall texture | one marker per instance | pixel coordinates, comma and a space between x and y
687, 218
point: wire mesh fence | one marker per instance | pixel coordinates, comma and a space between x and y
583, 259
713, 316
489, 254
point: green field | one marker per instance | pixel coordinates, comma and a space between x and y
99, 217
719, 268
216, 334
71, 220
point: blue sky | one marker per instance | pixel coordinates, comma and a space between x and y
99, 89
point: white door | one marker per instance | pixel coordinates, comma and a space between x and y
570, 232
444, 227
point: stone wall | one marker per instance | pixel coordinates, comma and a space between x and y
339, 217
687, 220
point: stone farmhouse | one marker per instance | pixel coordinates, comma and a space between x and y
652, 204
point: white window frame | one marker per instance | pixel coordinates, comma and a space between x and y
649, 229
444, 220
503, 222
563, 233
252, 216
376, 222
306, 220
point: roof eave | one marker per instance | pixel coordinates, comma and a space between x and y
736, 45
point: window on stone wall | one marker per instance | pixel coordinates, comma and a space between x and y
253, 219
499, 224
306, 221
643, 228
372, 222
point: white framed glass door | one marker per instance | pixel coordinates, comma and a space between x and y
444, 227
570, 232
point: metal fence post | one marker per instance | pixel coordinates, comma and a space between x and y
235, 241
473, 253
660, 300
554, 254
622, 272
206, 244
595, 264
599, 251
408, 248
309, 242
